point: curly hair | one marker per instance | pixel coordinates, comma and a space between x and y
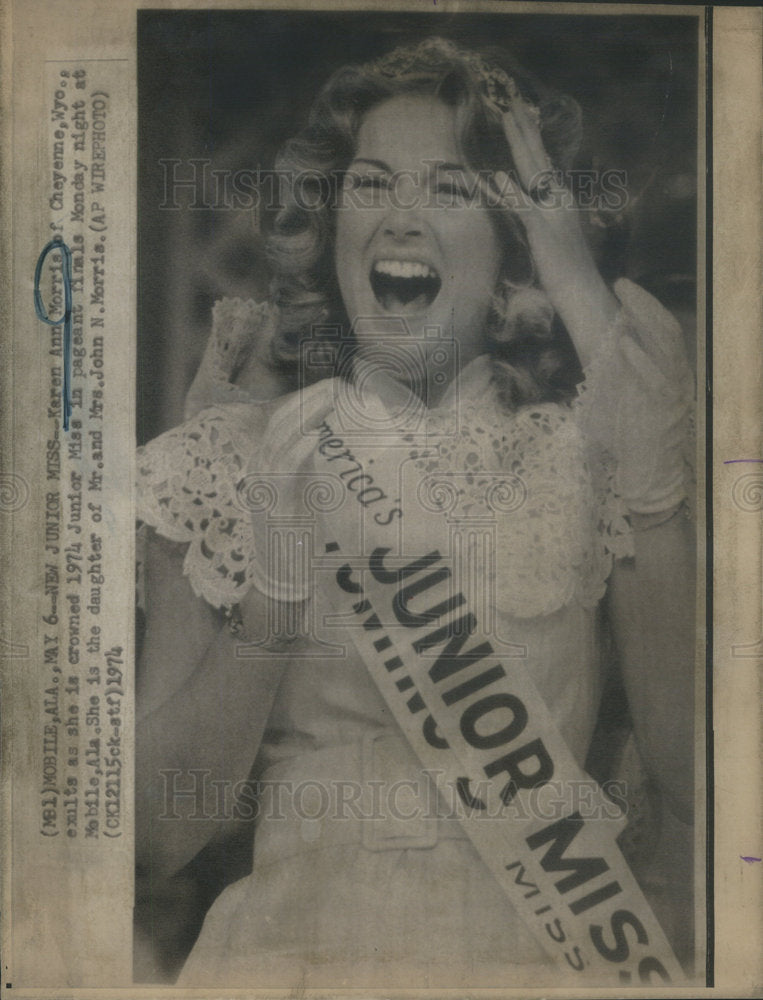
533, 357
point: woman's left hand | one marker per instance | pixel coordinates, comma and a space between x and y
563, 259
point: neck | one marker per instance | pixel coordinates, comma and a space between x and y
427, 370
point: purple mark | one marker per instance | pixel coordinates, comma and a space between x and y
749, 860
731, 461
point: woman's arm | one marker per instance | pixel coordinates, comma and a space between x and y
643, 405
562, 256
653, 616
653, 610
209, 721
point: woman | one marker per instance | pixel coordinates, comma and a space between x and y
434, 297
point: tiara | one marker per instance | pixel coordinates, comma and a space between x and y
436, 54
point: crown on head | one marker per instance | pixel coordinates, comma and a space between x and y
436, 54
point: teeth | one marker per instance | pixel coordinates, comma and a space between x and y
404, 269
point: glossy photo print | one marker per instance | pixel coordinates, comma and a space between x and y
417, 501
380, 493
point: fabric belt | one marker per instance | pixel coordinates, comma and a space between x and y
371, 793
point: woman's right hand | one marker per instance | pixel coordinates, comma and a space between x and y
236, 366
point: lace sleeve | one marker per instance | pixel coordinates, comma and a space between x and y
635, 408
187, 490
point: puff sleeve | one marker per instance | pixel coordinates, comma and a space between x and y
636, 402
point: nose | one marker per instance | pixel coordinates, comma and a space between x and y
402, 220
399, 226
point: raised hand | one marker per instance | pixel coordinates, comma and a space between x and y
535, 192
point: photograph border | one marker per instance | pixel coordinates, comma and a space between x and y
728, 534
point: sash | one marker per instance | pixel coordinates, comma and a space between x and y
478, 724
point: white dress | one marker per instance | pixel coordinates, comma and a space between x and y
360, 877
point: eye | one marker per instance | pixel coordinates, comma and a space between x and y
454, 189
374, 182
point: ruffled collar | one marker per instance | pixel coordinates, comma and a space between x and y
526, 472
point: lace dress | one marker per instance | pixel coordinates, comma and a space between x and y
361, 875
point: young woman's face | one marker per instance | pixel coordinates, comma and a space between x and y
410, 242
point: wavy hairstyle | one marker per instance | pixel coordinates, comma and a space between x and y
533, 357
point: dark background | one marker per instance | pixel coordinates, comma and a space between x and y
232, 86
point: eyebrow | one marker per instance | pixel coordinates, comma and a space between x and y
381, 165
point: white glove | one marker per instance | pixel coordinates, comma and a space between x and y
241, 333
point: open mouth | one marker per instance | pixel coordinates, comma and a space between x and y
404, 286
